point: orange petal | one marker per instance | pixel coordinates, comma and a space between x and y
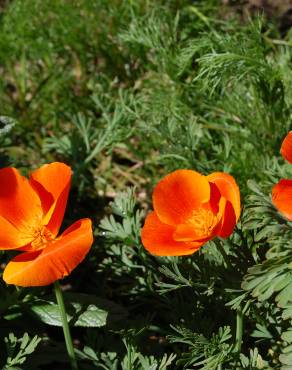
185, 233
55, 261
189, 233
178, 194
204, 223
52, 183
282, 197
215, 197
10, 237
228, 220
286, 148
19, 203
228, 189
157, 238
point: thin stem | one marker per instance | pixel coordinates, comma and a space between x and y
239, 330
66, 330
223, 253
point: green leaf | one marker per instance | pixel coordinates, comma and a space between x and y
286, 359
261, 332
287, 336
19, 349
82, 310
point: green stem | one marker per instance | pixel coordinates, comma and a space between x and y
223, 253
66, 330
239, 330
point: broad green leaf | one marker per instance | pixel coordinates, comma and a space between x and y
82, 310
287, 336
286, 359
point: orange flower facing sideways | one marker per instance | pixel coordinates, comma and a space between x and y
189, 210
282, 192
31, 213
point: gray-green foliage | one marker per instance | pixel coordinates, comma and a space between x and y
213, 352
128, 228
7, 125
19, 349
133, 360
270, 279
83, 310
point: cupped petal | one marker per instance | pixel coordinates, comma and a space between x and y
157, 238
228, 189
286, 148
205, 222
228, 220
215, 197
52, 183
19, 203
282, 197
54, 262
178, 194
188, 233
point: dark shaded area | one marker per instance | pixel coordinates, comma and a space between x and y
278, 10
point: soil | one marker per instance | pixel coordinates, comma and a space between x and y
278, 10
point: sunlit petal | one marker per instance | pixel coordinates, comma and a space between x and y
157, 238
282, 197
286, 148
178, 194
52, 183
54, 262
228, 189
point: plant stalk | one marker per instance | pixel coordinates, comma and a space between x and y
66, 330
239, 330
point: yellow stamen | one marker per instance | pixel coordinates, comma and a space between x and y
203, 220
36, 234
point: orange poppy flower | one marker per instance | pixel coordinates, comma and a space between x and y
189, 210
31, 213
282, 192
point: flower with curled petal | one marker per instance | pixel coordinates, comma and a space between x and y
31, 213
189, 210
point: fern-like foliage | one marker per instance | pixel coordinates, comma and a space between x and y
208, 354
270, 279
19, 349
127, 229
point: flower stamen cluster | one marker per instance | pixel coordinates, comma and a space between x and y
203, 221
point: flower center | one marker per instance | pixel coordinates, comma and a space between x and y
36, 234
203, 221
41, 237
